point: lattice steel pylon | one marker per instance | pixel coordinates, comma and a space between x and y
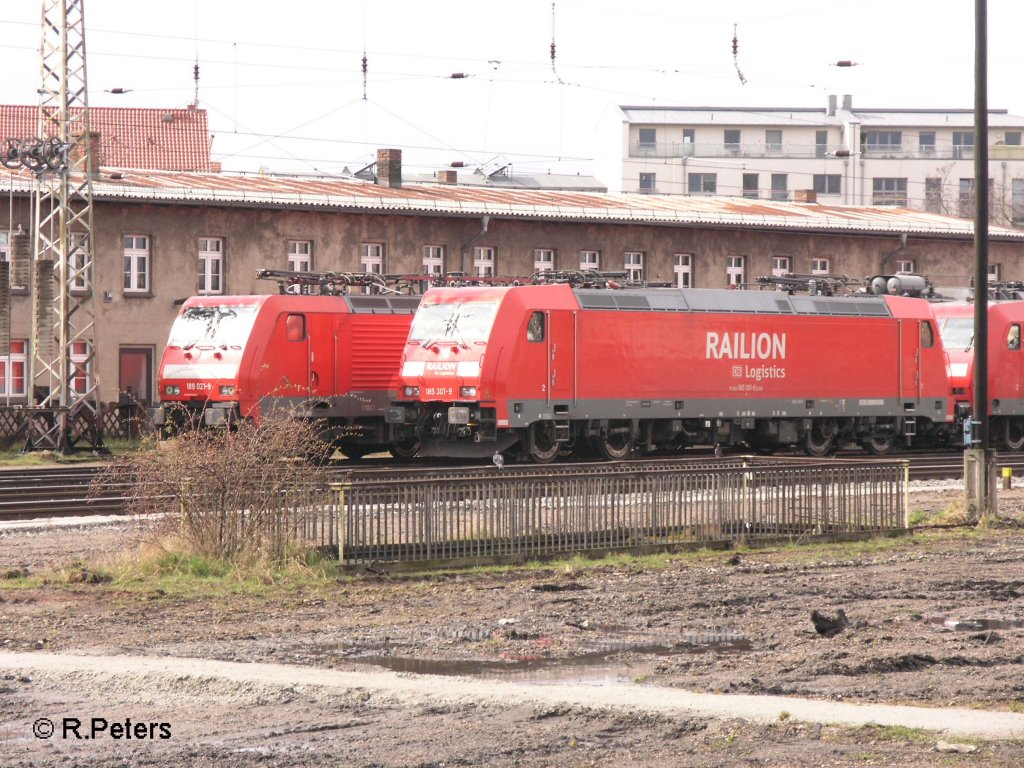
65, 410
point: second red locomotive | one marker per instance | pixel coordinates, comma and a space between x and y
548, 370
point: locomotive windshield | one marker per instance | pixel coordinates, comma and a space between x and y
957, 332
458, 322
212, 325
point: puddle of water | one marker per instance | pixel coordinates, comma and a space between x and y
974, 625
592, 668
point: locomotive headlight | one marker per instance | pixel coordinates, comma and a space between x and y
467, 391
172, 389
411, 391
226, 390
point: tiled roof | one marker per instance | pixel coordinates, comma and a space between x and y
130, 137
353, 195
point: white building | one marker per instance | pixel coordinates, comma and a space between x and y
921, 159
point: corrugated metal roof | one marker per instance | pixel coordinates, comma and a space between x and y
132, 137
447, 200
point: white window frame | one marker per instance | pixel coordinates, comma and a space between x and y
781, 265
820, 266
994, 271
684, 270
433, 259
211, 265
80, 279
543, 260
136, 264
300, 255
633, 263
371, 258
18, 356
590, 260
80, 361
5, 246
735, 271
905, 265
484, 261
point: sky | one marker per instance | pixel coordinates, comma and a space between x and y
473, 81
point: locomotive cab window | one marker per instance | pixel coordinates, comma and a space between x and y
1013, 337
295, 327
535, 328
927, 335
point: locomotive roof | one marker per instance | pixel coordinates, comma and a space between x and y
386, 304
721, 300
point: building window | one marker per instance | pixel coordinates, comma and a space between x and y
648, 139
926, 142
819, 266
780, 189
543, 260
689, 138
963, 145
372, 258
5, 246
904, 265
136, 264
828, 183
889, 192
933, 195
735, 271
780, 266
1017, 201
590, 260
79, 279
702, 183
993, 273
483, 261
773, 140
634, 263
820, 143
883, 142
13, 368
433, 259
211, 265
1012, 138
750, 182
732, 141
684, 270
967, 198
81, 368
648, 182
300, 255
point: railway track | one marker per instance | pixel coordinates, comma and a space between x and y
64, 490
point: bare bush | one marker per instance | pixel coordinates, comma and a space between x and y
247, 492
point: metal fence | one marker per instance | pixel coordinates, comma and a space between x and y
505, 514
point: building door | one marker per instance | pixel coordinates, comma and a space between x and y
135, 374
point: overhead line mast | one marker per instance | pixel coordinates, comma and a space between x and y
64, 410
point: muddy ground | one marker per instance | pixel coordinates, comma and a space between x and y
934, 619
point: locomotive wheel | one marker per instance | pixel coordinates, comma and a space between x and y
820, 439
1013, 435
403, 450
879, 446
617, 446
542, 444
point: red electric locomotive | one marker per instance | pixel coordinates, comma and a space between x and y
332, 358
547, 370
1005, 366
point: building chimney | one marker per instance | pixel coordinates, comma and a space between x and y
94, 153
848, 102
832, 101
389, 168
805, 196
448, 177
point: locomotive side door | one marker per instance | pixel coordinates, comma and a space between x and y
562, 356
913, 334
